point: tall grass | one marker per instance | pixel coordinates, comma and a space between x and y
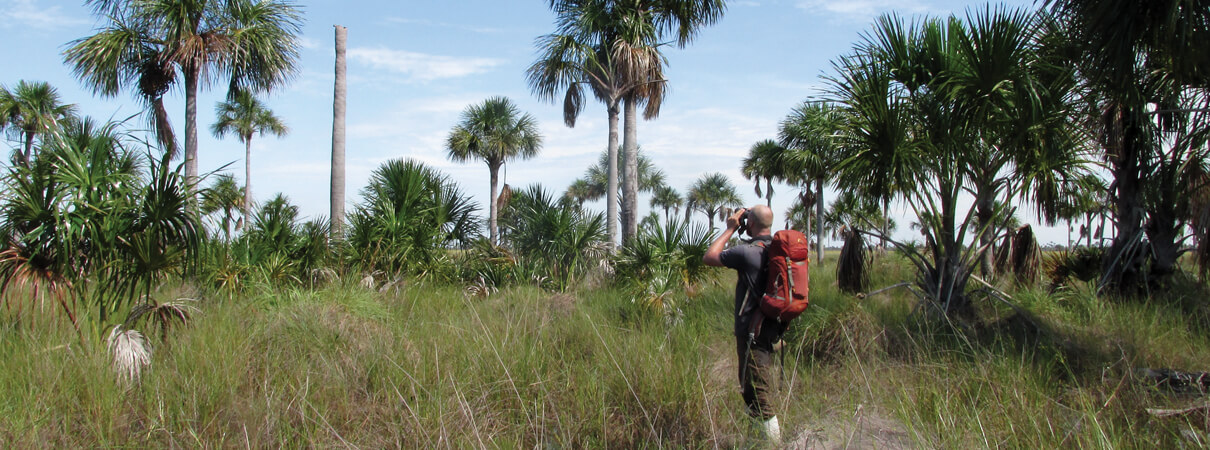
428, 366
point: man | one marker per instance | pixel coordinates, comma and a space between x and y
755, 350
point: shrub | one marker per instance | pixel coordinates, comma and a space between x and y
410, 214
662, 262
553, 237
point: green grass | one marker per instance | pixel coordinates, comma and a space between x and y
431, 367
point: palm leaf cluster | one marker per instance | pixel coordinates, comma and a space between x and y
151, 46
91, 218
561, 242
592, 186
711, 194
664, 261
409, 215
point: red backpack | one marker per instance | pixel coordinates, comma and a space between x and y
788, 258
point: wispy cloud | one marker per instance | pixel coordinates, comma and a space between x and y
29, 14
429, 23
865, 9
421, 66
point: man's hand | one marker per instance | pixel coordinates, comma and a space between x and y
711, 258
733, 221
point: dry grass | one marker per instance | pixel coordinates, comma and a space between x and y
429, 366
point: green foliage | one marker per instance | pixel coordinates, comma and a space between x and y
84, 218
559, 240
409, 216
1078, 264
662, 263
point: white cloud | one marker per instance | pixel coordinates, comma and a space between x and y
430, 23
420, 66
308, 43
865, 9
28, 14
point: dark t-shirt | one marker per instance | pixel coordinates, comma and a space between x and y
748, 260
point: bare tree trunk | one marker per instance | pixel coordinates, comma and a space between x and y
247, 179
611, 188
985, 214
1123, 260
337, 195
819, 219
630, 185
191, 87
493, 210
29, 147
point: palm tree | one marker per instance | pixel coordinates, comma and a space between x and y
409, 215
337, 193
1139, 71
809, 132
34, 108
581, 190
667, 198
644, 25
765, 161
853, 210
710, 194
244, 115
596, 179
253, 44
613, 49
495, 132
224, 196
924, 119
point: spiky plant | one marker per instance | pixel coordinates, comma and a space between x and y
554, 235
164, 315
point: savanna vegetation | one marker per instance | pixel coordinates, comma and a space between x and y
144, 306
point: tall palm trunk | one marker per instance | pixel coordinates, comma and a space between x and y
819, 219
630, 183
611, 190
1122, 261
247, 178
494, 168
337, 193
192, 73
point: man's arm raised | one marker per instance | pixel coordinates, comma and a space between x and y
713, 254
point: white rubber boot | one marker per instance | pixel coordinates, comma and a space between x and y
772, 430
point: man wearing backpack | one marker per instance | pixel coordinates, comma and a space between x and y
755, 351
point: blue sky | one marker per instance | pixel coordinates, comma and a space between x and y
413, 66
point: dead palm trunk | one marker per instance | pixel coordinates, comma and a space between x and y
337, 196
